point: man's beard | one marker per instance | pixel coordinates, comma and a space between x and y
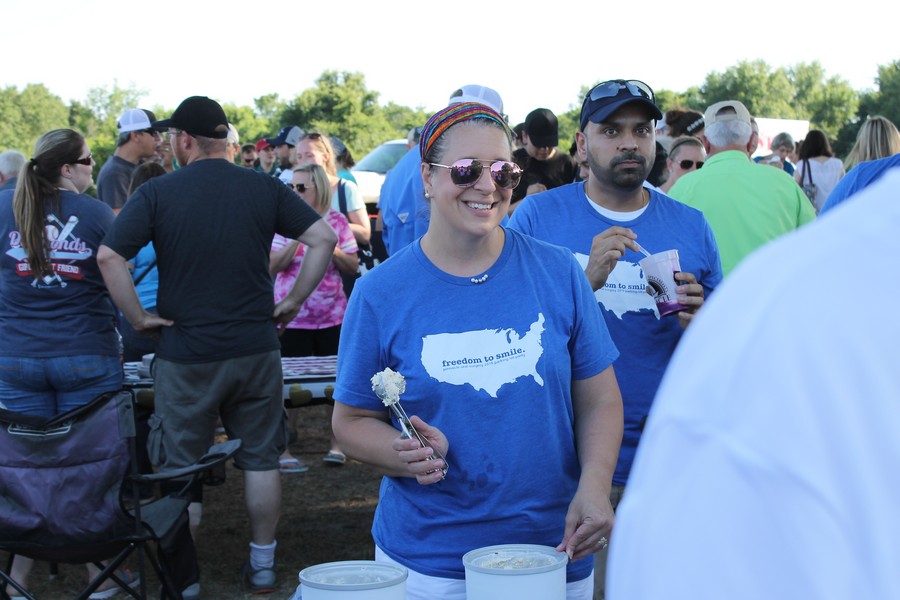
629, 179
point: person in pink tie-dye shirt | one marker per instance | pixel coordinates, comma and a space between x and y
317, 327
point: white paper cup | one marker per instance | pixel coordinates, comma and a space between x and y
353, 580
659, 271
520, 571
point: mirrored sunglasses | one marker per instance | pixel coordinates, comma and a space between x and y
687, 164
610, 89
465, 172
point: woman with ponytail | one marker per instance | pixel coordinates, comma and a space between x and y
59, 347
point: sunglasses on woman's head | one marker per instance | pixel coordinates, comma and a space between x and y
465, 173
86, 161
301, 187
687, 164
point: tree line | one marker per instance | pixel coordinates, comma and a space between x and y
341, 104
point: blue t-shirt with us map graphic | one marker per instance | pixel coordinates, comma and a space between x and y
565, 216
490, 362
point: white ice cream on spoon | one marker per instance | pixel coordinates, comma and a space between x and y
388, 385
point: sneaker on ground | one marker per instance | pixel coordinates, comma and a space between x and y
191, 592
258, 581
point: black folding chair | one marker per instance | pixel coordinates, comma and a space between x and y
70, 492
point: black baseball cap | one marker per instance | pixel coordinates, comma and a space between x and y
542, 128
606, 98
198, 115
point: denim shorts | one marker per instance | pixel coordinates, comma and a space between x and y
50, 386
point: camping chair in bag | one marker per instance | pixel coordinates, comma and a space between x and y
70, 493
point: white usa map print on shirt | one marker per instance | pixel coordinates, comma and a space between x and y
485, 359
625, 290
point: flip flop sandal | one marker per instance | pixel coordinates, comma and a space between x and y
335, 459
291, 465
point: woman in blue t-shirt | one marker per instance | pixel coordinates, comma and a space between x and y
507, 366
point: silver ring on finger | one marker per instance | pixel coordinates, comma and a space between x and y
603, 543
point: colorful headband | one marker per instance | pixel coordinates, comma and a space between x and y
446, 118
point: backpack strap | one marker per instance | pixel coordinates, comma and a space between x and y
145, 273
342, 198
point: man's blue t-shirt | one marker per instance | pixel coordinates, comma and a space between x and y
490, 364
565, 216
402, 203
859, 177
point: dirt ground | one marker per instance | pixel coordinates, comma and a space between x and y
326, 516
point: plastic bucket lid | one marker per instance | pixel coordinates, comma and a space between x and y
353, 575
514, 559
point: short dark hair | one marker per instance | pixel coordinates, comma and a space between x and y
815, 144
143, 172
658, 175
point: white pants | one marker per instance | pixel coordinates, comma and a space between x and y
426, 587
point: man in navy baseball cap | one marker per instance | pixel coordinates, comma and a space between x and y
606, 98
602, 220
285, 152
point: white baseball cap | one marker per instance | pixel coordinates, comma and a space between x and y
477, 93
134, 119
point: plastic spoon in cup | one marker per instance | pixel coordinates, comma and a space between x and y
641, 248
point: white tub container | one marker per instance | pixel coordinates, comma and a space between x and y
353, 580
520, 571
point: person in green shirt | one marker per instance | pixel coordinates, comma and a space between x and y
746, 204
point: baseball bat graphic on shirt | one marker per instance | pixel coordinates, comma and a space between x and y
64, 230
70, 225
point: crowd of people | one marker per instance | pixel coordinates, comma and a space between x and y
221, 258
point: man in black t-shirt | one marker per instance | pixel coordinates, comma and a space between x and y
544, 166
212, 223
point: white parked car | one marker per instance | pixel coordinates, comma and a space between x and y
370, 170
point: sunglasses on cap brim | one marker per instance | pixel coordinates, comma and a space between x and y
611, 89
